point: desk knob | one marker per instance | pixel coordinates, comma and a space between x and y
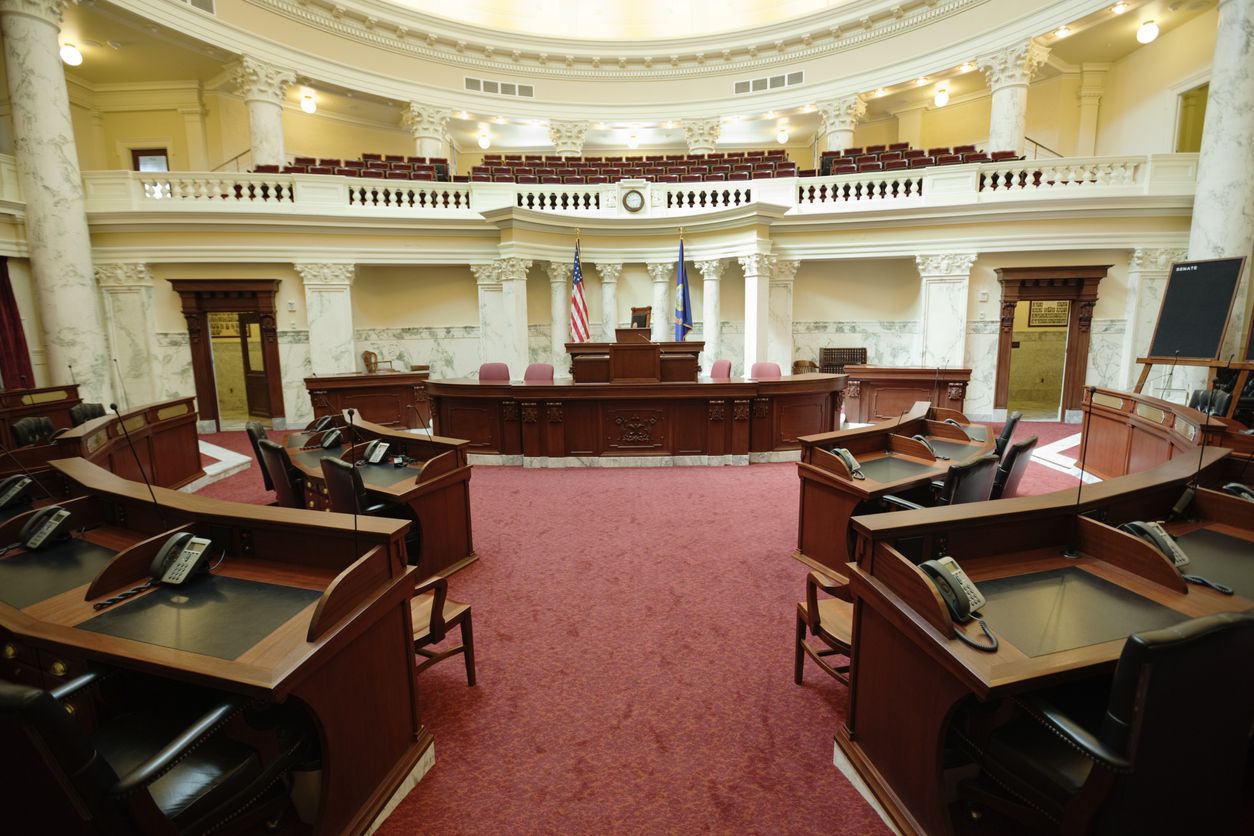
10, 650
58, 668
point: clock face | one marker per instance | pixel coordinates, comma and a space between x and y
633, 200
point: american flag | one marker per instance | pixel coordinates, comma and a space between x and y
578, 307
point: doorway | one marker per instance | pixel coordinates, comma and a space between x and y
1038, 359
239, 368
1191, 116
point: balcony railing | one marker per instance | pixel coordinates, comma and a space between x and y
1162, 175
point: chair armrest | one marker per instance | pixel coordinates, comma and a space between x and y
177, 749
439, 586
837, 588
74, 685
1073, 734
904, 504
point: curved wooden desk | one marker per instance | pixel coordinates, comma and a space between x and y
350, 624
701, 418
435, 485
1130, 432
393, 399
164, 435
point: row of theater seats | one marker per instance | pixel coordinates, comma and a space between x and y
660, 168
377, 166
900, 155
39, 429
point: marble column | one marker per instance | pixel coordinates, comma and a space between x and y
701, 134
711, 311
1092, 84
56, 221
838, 119
758, 269
1147, 279
568, 137
944, 300
429, 127
1009, 71
503, 313
126, 290
329, 305
559, 311
609, 299
1223, 208
663, 317
263, 86
779, 348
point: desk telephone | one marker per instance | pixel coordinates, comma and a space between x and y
961, 597
181, 558
855, 469
374, 452
959, 426
46, 525
332, 438
1234, 488
1157, 536
922, 439
13, 489
323, 423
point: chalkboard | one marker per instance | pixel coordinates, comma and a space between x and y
1196, 309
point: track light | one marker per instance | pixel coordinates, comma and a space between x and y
942, 97
70, 55
1148, 32
782, 136
485, 141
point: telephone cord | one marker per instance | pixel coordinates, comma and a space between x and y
122, 596
991, 647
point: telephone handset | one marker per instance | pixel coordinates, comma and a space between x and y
323, 423
922, 439
1157, 536
13, 489
961, 597
181, 558
375, 451
959, 426
332, 438
1234, 488
855, 469
44, 526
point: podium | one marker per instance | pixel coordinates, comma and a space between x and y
634, 361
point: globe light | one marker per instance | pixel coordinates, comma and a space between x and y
1148, 32
70, 55
633, 142
782, 136
941, 98
308, 103
485, 141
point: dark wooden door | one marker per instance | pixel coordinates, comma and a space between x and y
256, 389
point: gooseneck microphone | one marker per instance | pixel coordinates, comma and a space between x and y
134, 453
1073, 550
121, 389
26, 472
70, 366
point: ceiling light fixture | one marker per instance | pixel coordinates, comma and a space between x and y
500, 120
770, 114
307, 101
782, 136
942, 97
920, 82
485, 140
1147, 32
70, 55
1062, 31
966, 68
633, 141
880, 93
463, 115
1119, 8
670, 126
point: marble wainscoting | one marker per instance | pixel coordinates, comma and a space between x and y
1106, 350
540, 350
981, 358
296, 364
172, 366
887, 342
451, 351
732, 346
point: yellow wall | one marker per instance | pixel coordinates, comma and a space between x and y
958, 123
317, 135
856, 290
143, 129
414, 297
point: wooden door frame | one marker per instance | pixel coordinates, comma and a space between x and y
1077, 285
201, 297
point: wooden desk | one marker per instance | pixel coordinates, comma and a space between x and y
354, 630
164, 435
634, 361
1124, 432
702, 418
893, 462
52, 402
435, 486
911, 678
393, 399
876, 393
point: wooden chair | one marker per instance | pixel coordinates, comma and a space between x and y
804, 367
642, 317
433, 612
373, 363
830, 620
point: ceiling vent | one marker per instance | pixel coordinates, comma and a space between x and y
774, 82
500, 88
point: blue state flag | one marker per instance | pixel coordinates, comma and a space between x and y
683, 309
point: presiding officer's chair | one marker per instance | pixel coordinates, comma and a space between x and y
539, 373
830, 620
165, 767
765, 371
642, 317
371, 361
1163, 748
433, 613
289, 484
494, 371
256, 434
346, 494
970, 482
721, 370
1013, 466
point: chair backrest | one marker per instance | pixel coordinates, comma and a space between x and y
256, 433
1013, 466
81, 413
494, 371
31, 430
1181, 708
765, 371
288, 486
721, 369
804, 366
1210, 401
970, 482
540, 372
1006, 432
371, 361
344, 485
642, 317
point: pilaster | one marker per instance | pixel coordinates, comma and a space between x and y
1147, 280
711, 311
609, 298
126, 293
944, 302
503, 312
559, 311
779, 345
1092, 85
663, 275
329, 305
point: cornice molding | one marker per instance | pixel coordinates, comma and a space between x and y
48, 11
326, 276
947, 265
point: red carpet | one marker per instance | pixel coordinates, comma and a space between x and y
634, 639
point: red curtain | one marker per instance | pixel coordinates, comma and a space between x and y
14, 356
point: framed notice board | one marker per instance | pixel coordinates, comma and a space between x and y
1196, 310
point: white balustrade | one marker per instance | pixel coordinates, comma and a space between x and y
701, 197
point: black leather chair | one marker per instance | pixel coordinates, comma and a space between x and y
1164, 749
970, 482
161, 765
289, 485
257, 434
346, 494
1013, 466
1007, 431
33, 429
81, 413
1210, 401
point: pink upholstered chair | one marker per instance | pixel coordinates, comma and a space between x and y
494, 371
721, 369
765, 371
539, 373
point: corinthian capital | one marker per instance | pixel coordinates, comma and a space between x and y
783, 271
568, 137
424, 121
123, 275
757, 264
258, 81
609, 272
711, 271
1145, 259
945, 264
559, 271
512, 269
661, 271
49, 11
701, 134
842, 114
1014, 65
324, 275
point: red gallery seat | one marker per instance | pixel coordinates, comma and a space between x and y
875, 166
394, 158
372, 157
304, 160
921, 162
948, 159
874, 149
899, 146
895, 165
266, 169
331, 163
348, 172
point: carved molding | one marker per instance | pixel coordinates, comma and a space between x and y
853, 389
1085, 317
1013, 65
957, 391
701, 134
661, 271
740, 411
554, 412
1008, 316
326, 276
635, 430
568, 137
609, 272
427, 122
259, 81
559, 271
49, 11
718, 411
761, 407
1145, 259
123, 275
530, 412
945, 264
757, 264
841, 114
711, 271
509, 410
